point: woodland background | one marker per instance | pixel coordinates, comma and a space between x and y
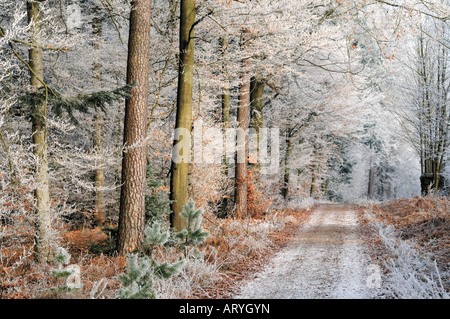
357, 93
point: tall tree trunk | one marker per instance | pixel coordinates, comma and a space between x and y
312, 190
99, 173
371, 184
286, 175
179, 178
39, 127
431, 113
225, 98
243, 118
256, 113
134, 163
388, 180
226, 91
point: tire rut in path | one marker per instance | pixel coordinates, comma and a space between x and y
327, 260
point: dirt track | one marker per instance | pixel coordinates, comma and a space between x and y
327, 260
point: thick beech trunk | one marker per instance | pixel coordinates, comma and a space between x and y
179, 178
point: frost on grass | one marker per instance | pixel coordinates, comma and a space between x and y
253, 235
411, 273
196, 272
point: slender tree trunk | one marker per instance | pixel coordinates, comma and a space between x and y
243, 118
99, 173
226, 92
225, 98
388, 182
226, 108
256, 114
325, 186
179, 178
432, 135
286, 177
43, 215
442, 124
312, 190
371, 185
134, 163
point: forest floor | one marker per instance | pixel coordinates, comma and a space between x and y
327, 251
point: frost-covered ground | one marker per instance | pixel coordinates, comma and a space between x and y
327, 260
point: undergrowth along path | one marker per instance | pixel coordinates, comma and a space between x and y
328, 259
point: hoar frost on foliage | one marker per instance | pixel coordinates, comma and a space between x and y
256, 232
194, 273
411, 274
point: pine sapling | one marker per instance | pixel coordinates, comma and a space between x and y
193, 234
155, 235
138, 282
69, 274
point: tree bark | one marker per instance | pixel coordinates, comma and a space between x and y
226, 92
256, 113
99, 173
134, 163
432, 113
388, 182
42, 248
286, 175
371, 184
312, 191
225, 99
243, 118
179, 178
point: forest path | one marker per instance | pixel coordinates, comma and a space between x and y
326, 261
